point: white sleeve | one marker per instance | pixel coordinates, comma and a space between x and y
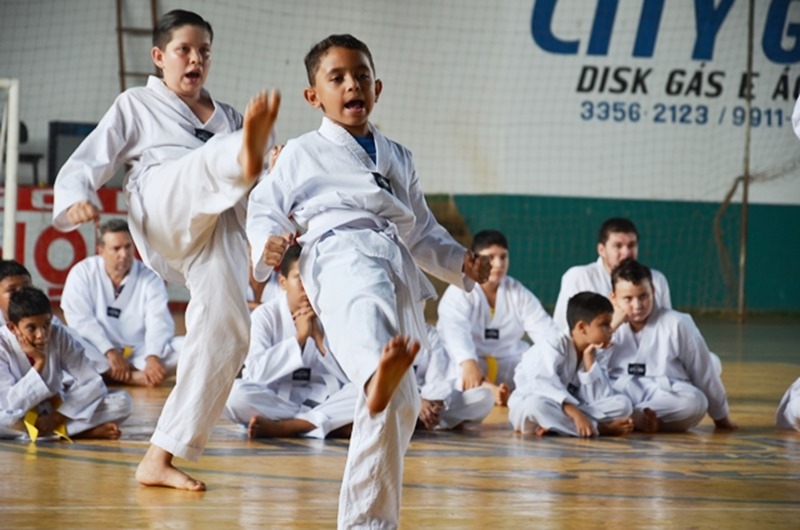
18, 396
536, 321
566, 292
662, 291
431, 244
93, 163
85, 394
698, 363
542, 369
436, 385
159, 328
78, 305
268, 210
271, 356
455, 325
595, 384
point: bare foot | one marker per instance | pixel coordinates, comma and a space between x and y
261, 427
646, 421
618, 427
259, 118
156, 469
106, 431
501, 393
396, 358
540, 431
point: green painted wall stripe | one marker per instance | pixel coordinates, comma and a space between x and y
547, 235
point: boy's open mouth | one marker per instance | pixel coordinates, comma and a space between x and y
356, 104
193, 75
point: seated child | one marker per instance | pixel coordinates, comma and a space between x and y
34, 358
661, 361
788, 415
483, 329
444, 406
291, 385
560, 387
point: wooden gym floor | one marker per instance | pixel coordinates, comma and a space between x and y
486, 477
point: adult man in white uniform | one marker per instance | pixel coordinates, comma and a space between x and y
660, 360
291, 384
617, 240
119, 306
483, 329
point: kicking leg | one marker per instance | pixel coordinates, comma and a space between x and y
396, 358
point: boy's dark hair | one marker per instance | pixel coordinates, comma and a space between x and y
291, 256
175, 19
616, 225
28, 302
112, 226
585, 307
630, 270
10, 267
315, 54
487, 238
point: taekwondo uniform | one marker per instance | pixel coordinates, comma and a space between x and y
187, 202
548, 377
470, 330
138, 317
366, 226
788, 415
282, 380
436, 379
667, 367
85, 401
594, 278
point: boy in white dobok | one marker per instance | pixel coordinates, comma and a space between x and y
788, 414
357, 198
192, 162
120, 307
483, 329
291, 384
443, 405
561, 388
35, 356
617, 239
660, 360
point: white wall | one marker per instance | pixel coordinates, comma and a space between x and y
484, 108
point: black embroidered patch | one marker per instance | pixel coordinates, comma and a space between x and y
203, 135
302, 374
382, 182
113, 312
636, 369
490, 333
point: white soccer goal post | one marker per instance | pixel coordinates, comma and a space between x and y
9, 144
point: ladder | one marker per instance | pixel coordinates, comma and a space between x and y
123, 33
